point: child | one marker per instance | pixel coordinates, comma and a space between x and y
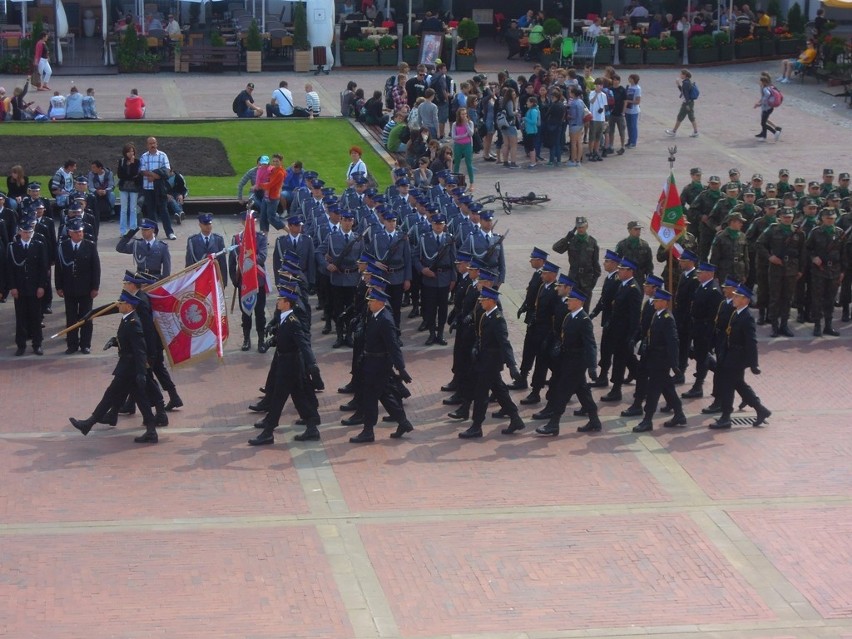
532, 125
90, 112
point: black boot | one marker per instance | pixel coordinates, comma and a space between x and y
356, 419
614, 395
431, 339
174, 400
83, 425
713, 408
415, 311
462, 412
532, 399
453, 400
110, 419
265, 438
634, 410
406, 300
829, 329
348, 389
817, 328
601, 380
761, 317
326, 330
520, 383
440, 339
350, 405
800, 316
775, 332
515, 425
261, 344
127, 408
763, 414
644, 426
261, 407
593, 425
311, 434
695, 392
149, 436
452, 387
366, 436
785, 330
550, 428
845, 317
474, 432
404, 427
161, 418
545, 413
339, 341
678, 421
724, 421
246, 343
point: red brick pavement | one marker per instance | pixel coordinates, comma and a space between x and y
267, 583
549, 574
810, 548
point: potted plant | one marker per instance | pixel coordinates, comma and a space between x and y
133, 57
388, 54
659, 51
632, 53
301, 46
410, 49
466, 59
725, 47
468, 32
702, 49
605, 53
767, 43
254, 49
795, 19
748, 47
358, 52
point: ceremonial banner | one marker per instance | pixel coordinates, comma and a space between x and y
190, 315
247, 264
668, 221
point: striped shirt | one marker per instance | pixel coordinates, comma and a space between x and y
313, 102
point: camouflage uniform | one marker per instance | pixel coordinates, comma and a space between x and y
787, 244
729, 253
702, 205
826, 243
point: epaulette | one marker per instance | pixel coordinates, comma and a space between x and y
665, 315
497, 314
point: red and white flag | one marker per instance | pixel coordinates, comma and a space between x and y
247, 266
668, 221
190, 315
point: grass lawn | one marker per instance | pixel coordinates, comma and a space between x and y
322, 145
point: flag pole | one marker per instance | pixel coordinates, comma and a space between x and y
146, 288
672, 154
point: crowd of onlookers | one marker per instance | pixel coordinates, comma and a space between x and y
556, 116
74, 106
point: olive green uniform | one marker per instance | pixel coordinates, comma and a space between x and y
825, 242
639, 252
729, 252
787, 243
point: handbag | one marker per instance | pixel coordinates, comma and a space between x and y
501, 120
587, 115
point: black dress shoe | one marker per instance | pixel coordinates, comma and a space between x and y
692, 393
264, 439
763, 414
666, 410
723, 422
148, 437
260, 424
86, 350
712, 409
460, 413
19, 351
545, 414
644, 426
415, 312
38, 350
349, 388
161, 419
404, 427
519, 384
174, 402
70, 350
440, 340
452, 400
548, 429
600, 382
338, 342
246, 345
532, 399
632, 411
430, 340
499, 414
300, 422
387, 419
350, 405
110, 419
451, 387
364, 437
260, 407
611, 397
591, 427
128, 408
474, 432
326, 330
422, 327
83, 425
514, 426
262, 347
678, 421
311, 434
48, 310
355, 420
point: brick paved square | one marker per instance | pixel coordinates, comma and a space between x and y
791, 457
265, 583
434, 469
98, 478
810, 547
541, 575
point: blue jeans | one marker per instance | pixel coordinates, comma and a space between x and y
269, 215
556, 136
127, 217
632, 120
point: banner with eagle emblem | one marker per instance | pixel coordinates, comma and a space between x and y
247, 266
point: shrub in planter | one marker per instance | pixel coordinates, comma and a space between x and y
656, 51
465, 59
133, 57
388, 54
604, 54
795, 19
468, 32
724, 44
359, 52
410, 49
747, 47
633, 53
551, 27
702, 49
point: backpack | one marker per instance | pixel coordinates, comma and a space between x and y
235, 107
414, 119
693, 91
390, 83
776, 98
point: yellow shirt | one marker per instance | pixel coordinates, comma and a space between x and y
765, 21
808, 56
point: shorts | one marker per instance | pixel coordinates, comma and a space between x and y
573, 129
596, 129
443, 113
687, 110
529, 142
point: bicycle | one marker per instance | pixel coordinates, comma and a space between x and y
508, 201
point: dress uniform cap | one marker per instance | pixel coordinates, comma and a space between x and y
689, 256
79, 197
489, 294
538, 254
377, 281
25, 224
439, 218
707, 267
577, 294
730, 282
625, 264
634, 224
371, 192
800, 180
378, 198
149, 224
457, 191
264, 159
564, 280
431, 208
466, 200
462, 257
662, 294
403, 181
34, 186
128, 298
288, 293
784, 172
347, 214
293, 267
475, 207
843, 176
757, 176
827, 212
75, 208
310, 175
74, 225
653, 280
295, 219
734, 215
487, 274
376, 268
695, 171
451, 179
733, 171
612, 256
389, 214
205, 218
744, 291
134, 278
378, 295
38, 205
400, 172
442, 173
360, 178
550, 267
317, 184
580, 221
330, 199
476, 263
2, 195
291, 256
827, 172
328, 191
715, 179
81, 179
486, 214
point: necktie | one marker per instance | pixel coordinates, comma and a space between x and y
150, 244
26, 245
206, 243
346, 236
75, 247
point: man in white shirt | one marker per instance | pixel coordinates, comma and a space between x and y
173, 28
282, 102
154, 167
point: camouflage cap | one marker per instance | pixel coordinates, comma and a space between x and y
784, 173
828, 172
771, 203
734, 215
770, 186
732, 186
757, 177
715, 179
800, 180
748, 191
843, 176
827, 212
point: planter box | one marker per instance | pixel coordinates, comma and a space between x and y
360, 58
388, 57
632, 56
703, 56
790, 46
254, 61
726, 52
302, 61
604, 55
545, 60
410, 56
662, 56
750, 49
468, 63
767, 48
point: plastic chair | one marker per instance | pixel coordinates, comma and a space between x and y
585, 50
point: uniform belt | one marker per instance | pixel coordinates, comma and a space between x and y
736, 259
442, 270
369, 354
346, 271
149, 272
394, 270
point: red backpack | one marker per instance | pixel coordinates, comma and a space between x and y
776, 98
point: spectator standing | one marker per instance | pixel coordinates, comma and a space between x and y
462, 135
428, 112
616, 114
129, 180
510, 132
272, 195
532, 125
597, 105
554, 126
632, 109
356, 165
576, 110
441, 83
687, 106
42, 61
101, 188
154, 167
399, 97
134, 105
16, 188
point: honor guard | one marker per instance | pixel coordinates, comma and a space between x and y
150, 255
611, 285
623, 326
703, 309
544, 309
436, 264
699, 214
27, 279
78, 279
729, 251
487, 246
341, 251
463, 285
686, 286
688, 195
260, 304
825, 252
391, 248
44, 230
205, 242
650, 287
527, 311
302, 248
326, 225
757, 256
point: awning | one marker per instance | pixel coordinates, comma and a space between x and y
838, 4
